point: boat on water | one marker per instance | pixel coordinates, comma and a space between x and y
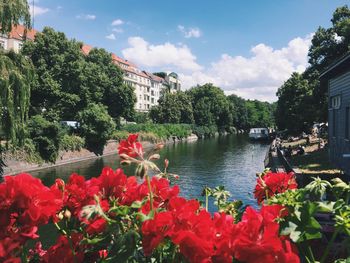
259, 133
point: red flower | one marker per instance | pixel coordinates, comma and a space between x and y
62, 252
154, 231
110, 183
273, 183
259, 238
25, 204
96, 227
131, 146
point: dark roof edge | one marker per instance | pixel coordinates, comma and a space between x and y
335, 64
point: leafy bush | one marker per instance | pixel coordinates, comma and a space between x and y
162, 131
72, 143
46, 137
204, 131
120, 135
96, 126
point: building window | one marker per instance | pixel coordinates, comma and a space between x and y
334, 128
347, 122
336, 102
2, 44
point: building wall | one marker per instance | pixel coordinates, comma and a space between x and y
339, 121
3, 42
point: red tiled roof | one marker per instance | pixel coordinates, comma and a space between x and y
154, 77
86, 49
17, 32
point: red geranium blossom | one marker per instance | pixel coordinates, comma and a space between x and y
259, 238
131, 146
273, 183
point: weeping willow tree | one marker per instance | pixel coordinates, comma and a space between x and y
13, 12
16, 77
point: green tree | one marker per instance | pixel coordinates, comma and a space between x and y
69, 81
59, 64
17, 77
173, 108
294, 111
239, 112
13, 12
46, 136
328, 45
96, 126
210, 106
104, 82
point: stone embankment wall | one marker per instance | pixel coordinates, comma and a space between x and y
65, 157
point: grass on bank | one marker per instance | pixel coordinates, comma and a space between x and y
314, 161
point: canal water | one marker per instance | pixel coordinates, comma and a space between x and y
231, 161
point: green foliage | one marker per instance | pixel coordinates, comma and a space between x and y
294, 111
72, 143
302, 99
173, 108
68, 81
162, 131
46, 136
13, 12
211, 111
204, 131
96, 126
103, 79
120, 135
16, 79
210, 106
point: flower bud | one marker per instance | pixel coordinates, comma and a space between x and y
67, 214
159, 146
154, 157
60, 184
166, 163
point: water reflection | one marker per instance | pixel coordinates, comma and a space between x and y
231, 161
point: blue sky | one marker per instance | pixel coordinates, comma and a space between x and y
245, 47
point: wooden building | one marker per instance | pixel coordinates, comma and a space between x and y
337, 78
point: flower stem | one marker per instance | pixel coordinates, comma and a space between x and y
150, 191
206, 199
310, 254
329, 245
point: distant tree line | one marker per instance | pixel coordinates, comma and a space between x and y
207, 105
301, 99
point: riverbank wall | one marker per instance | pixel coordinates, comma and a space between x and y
14, 166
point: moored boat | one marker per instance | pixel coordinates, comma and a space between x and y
259, 134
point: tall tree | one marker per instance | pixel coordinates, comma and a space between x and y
210, 106
16, 78
69, 81
173, 108
327, 45
294, 111
104, 80
13, 12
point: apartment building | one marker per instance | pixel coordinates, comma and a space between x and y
14, 40
173, 82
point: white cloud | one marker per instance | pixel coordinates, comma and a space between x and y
38, 10
117, 22
86, 17
190, 32
143, 53
255, 77
111, 37
118, 30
